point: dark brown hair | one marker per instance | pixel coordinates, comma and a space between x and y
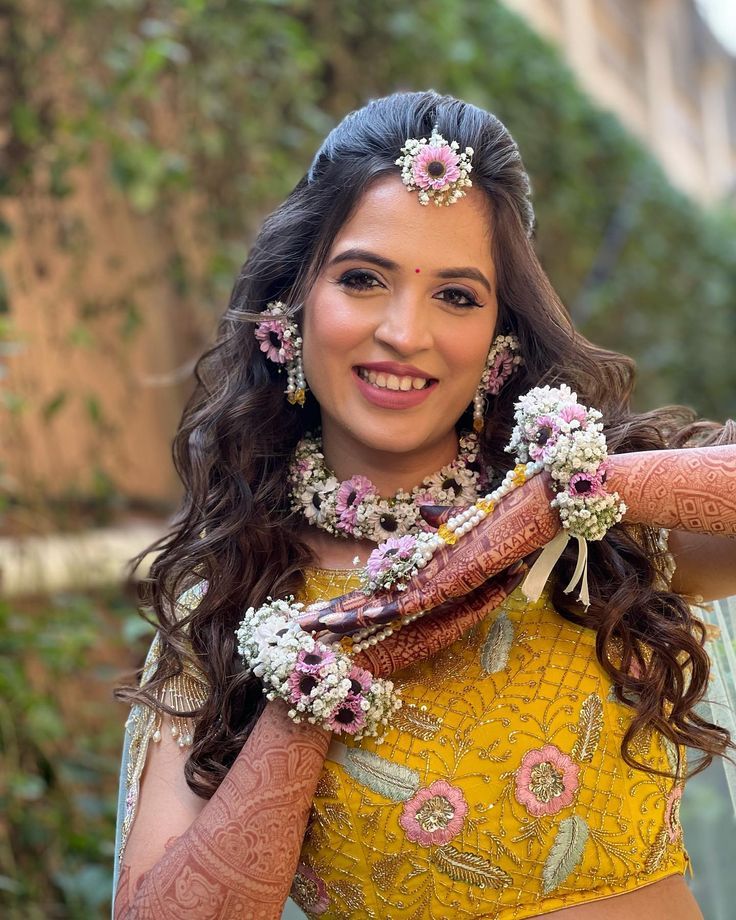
237, 432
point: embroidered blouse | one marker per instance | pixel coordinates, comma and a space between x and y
499, 790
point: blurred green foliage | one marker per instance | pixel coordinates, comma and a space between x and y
60, 740
225, 102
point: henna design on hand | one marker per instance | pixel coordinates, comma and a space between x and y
240, 855
440, 628
691, 489
522, 522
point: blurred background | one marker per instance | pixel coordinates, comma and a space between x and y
142, 143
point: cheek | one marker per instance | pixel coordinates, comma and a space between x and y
330, 328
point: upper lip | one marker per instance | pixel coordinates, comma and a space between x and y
400, 370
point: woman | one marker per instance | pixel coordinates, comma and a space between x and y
536, 764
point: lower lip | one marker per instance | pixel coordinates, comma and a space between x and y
392, 399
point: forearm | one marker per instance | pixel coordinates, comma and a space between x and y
240, 855
692, 489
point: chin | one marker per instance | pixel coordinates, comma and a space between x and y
397, 435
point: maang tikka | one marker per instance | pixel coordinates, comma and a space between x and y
504, 357
281, 343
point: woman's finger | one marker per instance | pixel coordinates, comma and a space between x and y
440, 628
522, 522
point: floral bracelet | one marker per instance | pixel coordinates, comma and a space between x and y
553, 432
320, 684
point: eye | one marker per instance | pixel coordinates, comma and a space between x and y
459, 298
357, 279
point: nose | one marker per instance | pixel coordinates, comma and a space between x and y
404, 326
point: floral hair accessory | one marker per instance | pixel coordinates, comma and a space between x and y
281, 343
320, 684
435, 169
504, 358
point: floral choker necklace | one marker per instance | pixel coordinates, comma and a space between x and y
354, 508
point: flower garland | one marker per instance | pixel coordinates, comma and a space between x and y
354, 508
320, 684
553, 432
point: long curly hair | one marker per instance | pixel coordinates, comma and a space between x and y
237, 432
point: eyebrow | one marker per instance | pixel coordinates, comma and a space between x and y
365, 255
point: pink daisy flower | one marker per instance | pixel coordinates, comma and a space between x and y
270, 333
546, 781
545, 434
313, 662
435, 167
309, 891
384, 556
301, 684
500, 371
350, 494
360, 680
347, 716
586, 485
573, 412
435, 815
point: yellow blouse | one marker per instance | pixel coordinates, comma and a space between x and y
499, 791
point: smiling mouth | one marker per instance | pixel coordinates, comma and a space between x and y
383, 381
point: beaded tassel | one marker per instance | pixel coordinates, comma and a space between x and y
185, 693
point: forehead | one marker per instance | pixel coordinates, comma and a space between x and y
390, 221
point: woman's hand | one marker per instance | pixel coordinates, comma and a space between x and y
440, 628
522, 523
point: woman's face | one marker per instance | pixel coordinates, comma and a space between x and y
397, 327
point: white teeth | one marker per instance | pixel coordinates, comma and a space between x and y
392, 381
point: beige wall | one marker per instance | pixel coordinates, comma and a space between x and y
72, 269
657, 66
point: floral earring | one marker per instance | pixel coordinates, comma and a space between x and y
503, 359
282, 344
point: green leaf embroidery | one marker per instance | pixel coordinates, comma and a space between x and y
494, 655
565, 853
589, 728
392, 780
469, 868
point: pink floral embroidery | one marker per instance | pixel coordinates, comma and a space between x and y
435, 815
350, 494
435, 167
672, 814
309, 891
546, 781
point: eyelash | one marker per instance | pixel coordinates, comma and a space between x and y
351, 281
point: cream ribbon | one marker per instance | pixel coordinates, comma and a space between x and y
541, 570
